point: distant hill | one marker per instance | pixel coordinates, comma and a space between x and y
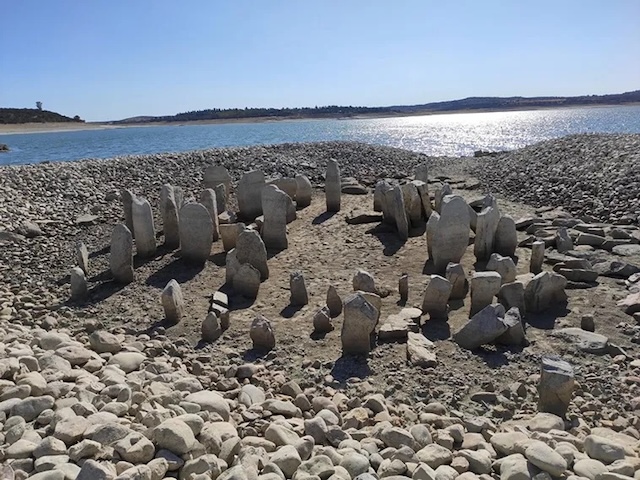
32, 115
333, 111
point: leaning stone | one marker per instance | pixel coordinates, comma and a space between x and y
274, 229
512, 295
364, 281
504, 266
564, 242
506, 239
121, 254
458, 280
322, 321
304, 191
196, 233
537, 257
544, 291
249, 194
287, 185
172, 302
378, 195
515, 329
126, 196
484, 327
297, 289
436, 298
169, 211
334, 302
403, 287
332, 186
486, 227
246, 281
82, 257
448, 232
261, 333
484, 286
143, 228
211, 328
412, 204
216, 175
221, 199
555, 387
229, 233
360, 319
209, 201
420, 350
423, 192
78, 281
395, 202
251, 249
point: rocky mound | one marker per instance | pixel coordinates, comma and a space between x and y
589, 175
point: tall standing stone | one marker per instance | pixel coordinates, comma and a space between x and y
504, 266
458, 280
249, 194
486, 227
512, 295
304, 191
143, 228
555, 387
169, 211
209, 200
412, 204
360, 319
221, 198
484, 286
82, 257
423, 192
441, 192
216, 175
287, 185
448, 232
395, 204
211, 327
172, 301
537, 257
196, 233
506, 238
334, 302
544, 291
126, 197
246, 280
332, 186
121, 254
403, 287
297, 289
378, 195
422, 172
436, 298
251, 249
274, 229
78, 284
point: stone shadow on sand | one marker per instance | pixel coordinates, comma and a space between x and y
388, 238
178, 269
435, 330
546, 320
290, 310
323, 217
253, 354
98, 253
350, 366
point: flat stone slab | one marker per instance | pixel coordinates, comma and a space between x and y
420, 350
86, 219
626, 250
588, 342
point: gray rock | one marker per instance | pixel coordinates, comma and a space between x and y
555, 387
246, 281
274, 229
322, 321
512, 295
458, 280
537, 257
448, 232
515, 334
486, 227
484, 286
544, 291
121, 254
504, 266
93, 470
334, 302
262, 334
412, 204
564, 242
78, 283
603, 449
586, 341
82, 257
360, 319
169, 212
251, 249
249, 194
209, 200
436, 297
172, 302
174, 435
420, 350
297, 289
143, 229
211, 328
215, 175
104, 342
363, 281
332, 186
303, 192
126, 197
506, 237
229, 232
403, 287
196, 233
484, 327
546, 458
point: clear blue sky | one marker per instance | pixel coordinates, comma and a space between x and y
111, 59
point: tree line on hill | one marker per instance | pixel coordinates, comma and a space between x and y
33, 115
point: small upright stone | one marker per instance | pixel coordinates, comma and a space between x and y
504, 266
304, 191
274, 229
360, 319
403, 287
544, 291
261, 334
458, 280
82, 257
436, 298
251, 249
172, 302
169, 211
211, 328
246, 280
512, 295
555, 387
216, 175
143, 228
334, 302
209, 201
332, 186
537, 257
250, 194
506, 239
229, 232
126, 197
297, 289
196, 233
322, 321
484, 286
423, 192
364, 281
78, 284
121, 254
564, 242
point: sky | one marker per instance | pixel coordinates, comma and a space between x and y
113, 59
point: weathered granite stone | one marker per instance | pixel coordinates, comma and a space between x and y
143, 228
334, 302
78, 281
173, 302
512, 295
412, 204
121, 254
364, 281
221, 199
251, 249
332, 186
441, 191
232, 265
378, 195
484, 286
420, 350
360, 319
169, 213
196, 233
229, 233
126, 197
274, 229
537, 257
216, 175
395, 204
484, 327
297, 289
246, 281
304, 191
506, 238
211, 327
422, 172
423, 192
448, 232
403, 287
209, 201
262, 334
436, 298
322, 320
555, 387
544, 291
249, 194
486, 227
504, 266
458, 280
82, 257
564, 242
287, 185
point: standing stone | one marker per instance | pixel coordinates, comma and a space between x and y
378, 194
291, 209
483, 327
360, 318
486, 227
196, 233
515, 329
216, 175
304, 191
458, 280
441, 192
484, 286
78, 284
322, 321
250, 194
250, 249
297, 289
169, 211
363, 281
82, 257
422, 172
274, 229
232, 265
412, 204
395, 202
229, 232
506, 239
126, 197
121, 254
537, 257
448, 232
334, 302
221, 198
287, 185
512, 295
209, 201
403, 287
436, 298
172, 302
246, 280
544, 291
261, 333
504, 266
332, 186
564, 242
386, 204
143, 228
555, 387
423, 192
211, 328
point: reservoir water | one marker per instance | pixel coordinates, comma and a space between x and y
454, 134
